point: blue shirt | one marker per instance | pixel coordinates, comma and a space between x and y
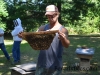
51, 58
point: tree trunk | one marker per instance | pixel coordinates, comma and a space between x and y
59, 8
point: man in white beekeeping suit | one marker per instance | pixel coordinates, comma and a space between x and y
17, 41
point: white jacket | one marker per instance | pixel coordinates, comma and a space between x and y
17, 30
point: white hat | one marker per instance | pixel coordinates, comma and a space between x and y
18, 21
51, 9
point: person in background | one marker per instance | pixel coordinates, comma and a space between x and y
17, 41
2, 45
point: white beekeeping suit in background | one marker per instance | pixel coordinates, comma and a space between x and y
17, 29
17, 41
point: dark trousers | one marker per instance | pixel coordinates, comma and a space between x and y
16, 51
3, 48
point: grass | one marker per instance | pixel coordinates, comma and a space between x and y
69, 55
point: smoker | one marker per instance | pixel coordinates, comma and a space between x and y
85, 55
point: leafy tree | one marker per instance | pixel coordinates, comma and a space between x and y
29, 12
3, 13
81, 15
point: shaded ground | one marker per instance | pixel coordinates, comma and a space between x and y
69, 55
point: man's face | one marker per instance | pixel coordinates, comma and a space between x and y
52, 18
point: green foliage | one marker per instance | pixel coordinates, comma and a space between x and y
3, 26
81, 16
29, 13
3, 13
84, 26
